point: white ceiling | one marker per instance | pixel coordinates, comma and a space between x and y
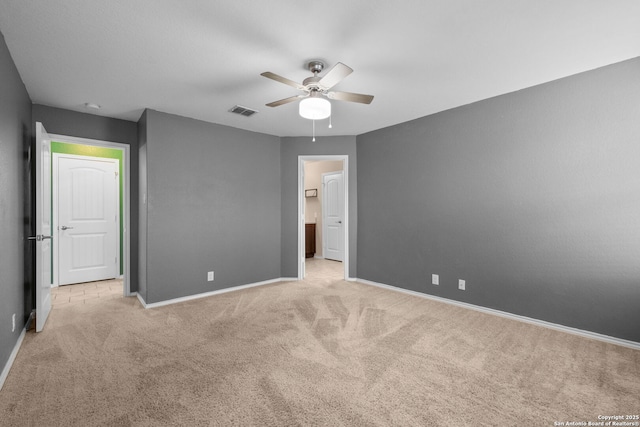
199, 58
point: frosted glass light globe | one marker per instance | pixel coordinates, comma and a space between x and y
314, 108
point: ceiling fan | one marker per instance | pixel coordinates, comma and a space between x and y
313, 105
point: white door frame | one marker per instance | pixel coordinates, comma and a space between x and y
301, 218
56, 220
126, 158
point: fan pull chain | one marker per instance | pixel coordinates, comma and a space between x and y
314, 131
330, 122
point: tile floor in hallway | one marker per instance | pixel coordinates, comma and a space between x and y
86, 293
325, 268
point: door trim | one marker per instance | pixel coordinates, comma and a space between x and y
301, 219
126, 196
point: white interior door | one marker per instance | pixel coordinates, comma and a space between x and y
43, 226
87, 218
333, 215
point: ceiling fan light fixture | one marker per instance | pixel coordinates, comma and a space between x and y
315, 108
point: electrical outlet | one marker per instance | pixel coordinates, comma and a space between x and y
435, 279
210, 276
13, 320
462, 284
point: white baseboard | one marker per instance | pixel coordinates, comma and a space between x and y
586, 334
12, 358
212, 293
140, 299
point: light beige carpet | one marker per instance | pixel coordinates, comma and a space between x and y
318, 352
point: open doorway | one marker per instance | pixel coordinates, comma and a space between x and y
323, 179
117, 157
86, 215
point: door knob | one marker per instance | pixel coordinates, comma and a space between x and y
64, 227
39, 237
339, 222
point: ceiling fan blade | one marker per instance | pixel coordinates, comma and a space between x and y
284, 101
351, 97
335, 75
272, 76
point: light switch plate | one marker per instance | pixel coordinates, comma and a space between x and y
462, 284
435, 279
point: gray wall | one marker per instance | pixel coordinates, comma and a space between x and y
142, 201
84, 125
291, 148
213, 203
15, 177
532, 197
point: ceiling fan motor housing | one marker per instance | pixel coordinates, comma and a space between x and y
315, 67
311, 82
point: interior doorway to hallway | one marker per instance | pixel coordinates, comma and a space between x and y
79, 147
86, 217
312, 212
